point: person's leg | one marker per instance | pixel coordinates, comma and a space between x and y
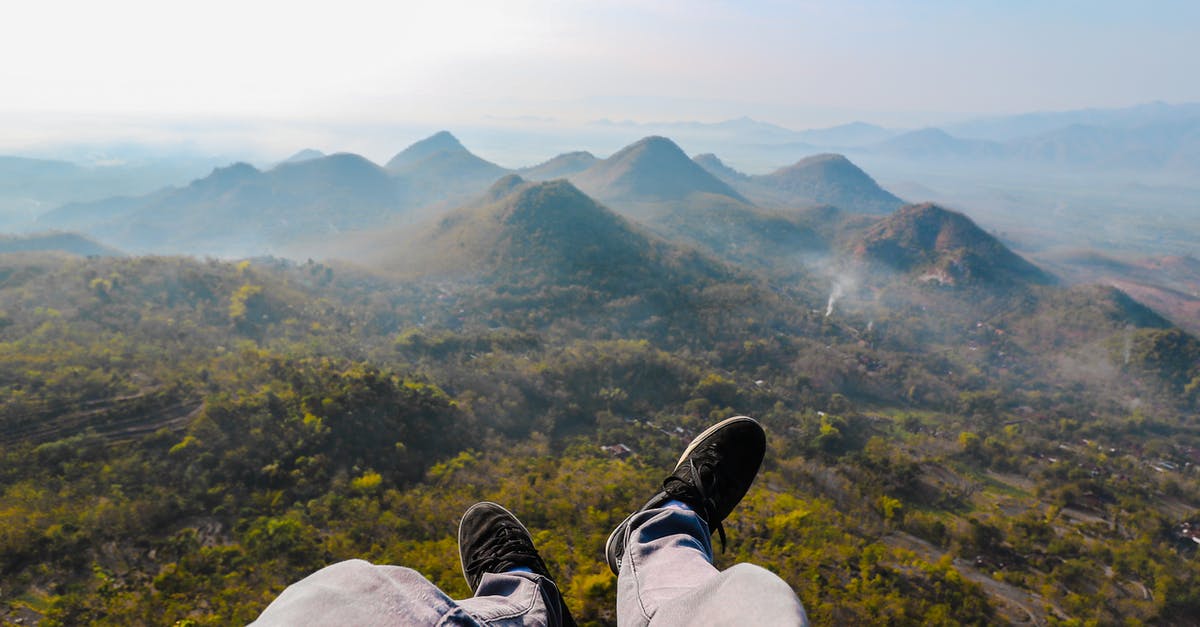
667, 578
662, 553
509, 580
358, 593
667, 554
355, 592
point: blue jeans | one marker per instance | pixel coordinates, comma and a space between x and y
667, 578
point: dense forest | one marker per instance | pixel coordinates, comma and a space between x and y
180, 439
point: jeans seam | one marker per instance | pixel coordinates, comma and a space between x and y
633, 571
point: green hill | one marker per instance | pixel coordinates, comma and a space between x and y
943, 246
536, 233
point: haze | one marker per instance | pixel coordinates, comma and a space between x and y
275, 76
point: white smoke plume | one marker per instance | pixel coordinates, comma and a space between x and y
837, 293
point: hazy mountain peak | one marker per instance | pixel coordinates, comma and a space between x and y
503, 186
304, 155
541, 204
717, 168
342, 169
439, 142
829, 178
652, 169
240, 168
562, 165
229, 175
655, 143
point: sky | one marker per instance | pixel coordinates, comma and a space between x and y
297, 71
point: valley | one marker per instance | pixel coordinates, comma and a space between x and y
231, 383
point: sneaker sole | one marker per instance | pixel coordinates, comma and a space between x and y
461, 565
688, 451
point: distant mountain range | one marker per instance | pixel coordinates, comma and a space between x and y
1011, 127
30, 187
1147, 137
1155, 137
238, 209
241, 210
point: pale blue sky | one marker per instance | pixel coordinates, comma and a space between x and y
132, 66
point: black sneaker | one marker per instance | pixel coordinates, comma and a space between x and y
712, 476
492, 540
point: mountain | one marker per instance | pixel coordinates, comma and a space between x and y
936, 144
240, 210
1152, 137
543, 233
845, 135
1013, 127
717, 168
30, 187
777, 243
71, 243
562, 166
499, 190
304, 155
742, 130
653, 169
440, 170
824, 179
18, 172
1170, 284
441, 154
945, 247
1173, 144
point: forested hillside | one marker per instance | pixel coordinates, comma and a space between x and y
182, 439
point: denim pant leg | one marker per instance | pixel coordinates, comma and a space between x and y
359, 593
515, 598
667, 578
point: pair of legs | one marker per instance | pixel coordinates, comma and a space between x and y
662, 555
